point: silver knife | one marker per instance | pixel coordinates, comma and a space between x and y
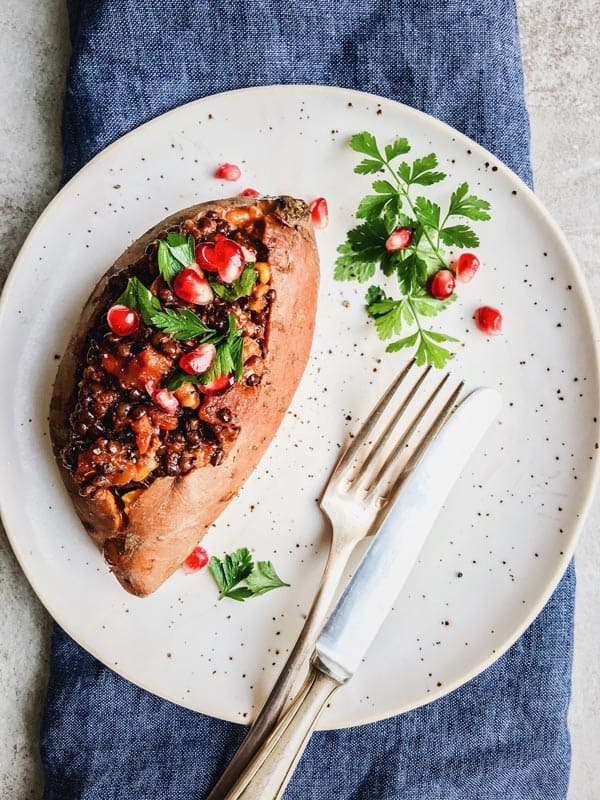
370, 594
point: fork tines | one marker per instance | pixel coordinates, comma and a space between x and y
378, 470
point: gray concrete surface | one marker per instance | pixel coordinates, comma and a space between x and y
562, 66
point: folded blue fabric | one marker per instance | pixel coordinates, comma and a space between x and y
504, 734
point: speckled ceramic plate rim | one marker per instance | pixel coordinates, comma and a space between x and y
581, 287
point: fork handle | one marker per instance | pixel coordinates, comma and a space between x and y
293, 673
269, 772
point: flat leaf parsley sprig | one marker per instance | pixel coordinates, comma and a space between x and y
420, 255
234, 568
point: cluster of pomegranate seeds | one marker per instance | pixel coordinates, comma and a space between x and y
197, 559
228, 172
488, 320
192, 287
224, 256
198, 360
319, 212
442, 284
123, 321
399, 239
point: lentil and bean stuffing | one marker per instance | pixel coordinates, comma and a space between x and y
138, 410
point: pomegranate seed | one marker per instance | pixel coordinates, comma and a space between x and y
162, 397
219, 386
123, 321
231, 272
489, 320
205, 256
399, 239
249, 193
166, 400
192, 287
319, 212
465, 267
198, 360
442, 284
228, 172
197, 559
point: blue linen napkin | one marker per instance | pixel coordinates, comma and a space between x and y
504, 734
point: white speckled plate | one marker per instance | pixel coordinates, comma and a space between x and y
508, 530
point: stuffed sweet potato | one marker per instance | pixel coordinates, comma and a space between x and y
184, 361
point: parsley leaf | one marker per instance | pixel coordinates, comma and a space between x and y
229, 357
388, 314
421, 165
399, 344
387, 203
182, 248
368, 166
404, 172
264, 578
140, 299
238, 288
428, 352
351, 265
362, 251
384, 187
365, 143
167, 265
374, 295
459, 235
426, 251
470, 206
175, 252
229, 571
427, 213
412, 273
428, 306
421, 172
429, 178
241, 593
373, 205
181, 323
397, 148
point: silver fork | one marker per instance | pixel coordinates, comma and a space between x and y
356, 501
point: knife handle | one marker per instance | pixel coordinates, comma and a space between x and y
269, 772
293, 674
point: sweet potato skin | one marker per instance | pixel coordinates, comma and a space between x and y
164, 522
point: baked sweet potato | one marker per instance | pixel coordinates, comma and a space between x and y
152, 445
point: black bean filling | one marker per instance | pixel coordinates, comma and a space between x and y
119, 438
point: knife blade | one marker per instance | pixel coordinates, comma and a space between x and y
383, 570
